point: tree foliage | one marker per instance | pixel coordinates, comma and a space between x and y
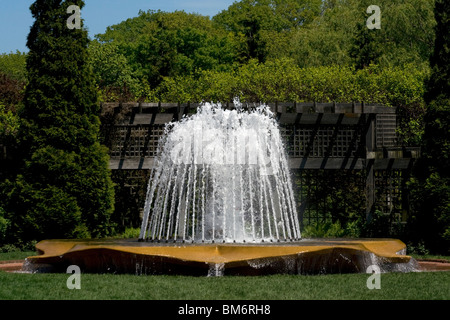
13, 65
160, 44
63, 186
12, 79
339, 35
283, 80
258, 50
113, 74
261, 23
431, 185
9, 125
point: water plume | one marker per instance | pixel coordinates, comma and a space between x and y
221, 176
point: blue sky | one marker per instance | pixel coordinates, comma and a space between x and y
15, 16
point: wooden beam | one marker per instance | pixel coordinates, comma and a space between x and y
280, 107
370, 189
146, 163
325, 163
131, 163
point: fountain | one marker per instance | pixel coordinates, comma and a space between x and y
220, 201
221, 176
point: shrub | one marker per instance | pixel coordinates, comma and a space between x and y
283, 80
4, 225
330, 230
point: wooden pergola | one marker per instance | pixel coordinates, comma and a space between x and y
318, 136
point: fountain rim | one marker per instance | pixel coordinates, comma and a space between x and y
383, 247
130, 255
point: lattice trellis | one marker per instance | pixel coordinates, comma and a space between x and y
135, 141
324, 195
386, 125
388, 191
324, 141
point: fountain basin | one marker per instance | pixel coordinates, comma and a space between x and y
302, 257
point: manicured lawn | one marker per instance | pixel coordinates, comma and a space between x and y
394, 286
16, 255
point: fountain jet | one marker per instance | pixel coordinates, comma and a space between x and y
221, 176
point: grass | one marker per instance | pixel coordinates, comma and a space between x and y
430, 257
16, 255
394, 286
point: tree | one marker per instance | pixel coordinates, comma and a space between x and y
12, 79
14, 65
406, 35
159, 44
11, 91
260, 23
431, 185
113, 75
63, 187
366, 48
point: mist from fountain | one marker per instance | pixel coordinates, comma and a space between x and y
221, 176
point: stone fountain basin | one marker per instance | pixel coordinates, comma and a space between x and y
314, 256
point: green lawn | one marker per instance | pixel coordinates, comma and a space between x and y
394, 286
16, 255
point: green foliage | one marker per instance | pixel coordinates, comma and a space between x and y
261, 23
130, 233
9, 124
429, 225
431, 183
366, 48
282, 80
273, 50
327, 230
339, 36
11, 91
14, 65
353, 226
379, 226
4, 225
159, 44
50, 212
113, 75
63, 188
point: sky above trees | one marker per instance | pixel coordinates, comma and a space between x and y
16, 19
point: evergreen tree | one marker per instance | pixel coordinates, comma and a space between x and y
365, 49
432, 184
366, 45
63, 187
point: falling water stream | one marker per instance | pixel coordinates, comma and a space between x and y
221, 176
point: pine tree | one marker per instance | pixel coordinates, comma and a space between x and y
366, 48
432, 184
63, 188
